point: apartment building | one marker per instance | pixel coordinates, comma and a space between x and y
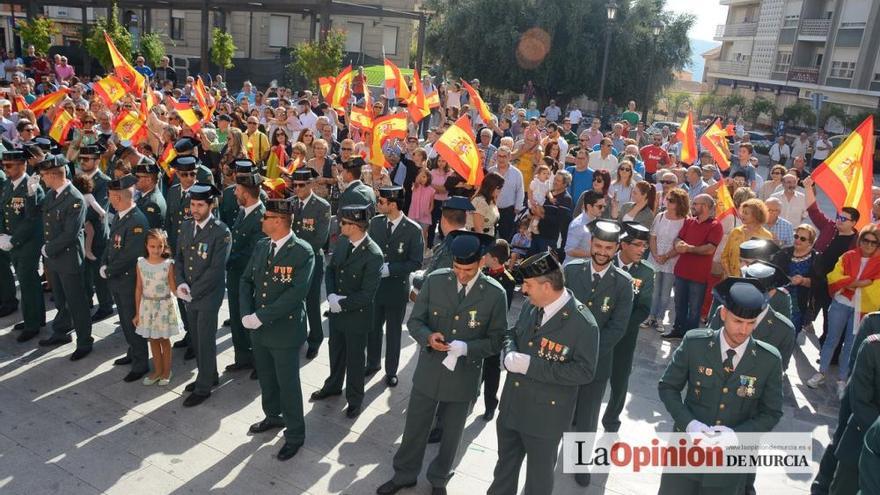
785, 50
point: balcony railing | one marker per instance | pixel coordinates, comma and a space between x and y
744, 29
815, 27
808, 75
739, 2
728, 67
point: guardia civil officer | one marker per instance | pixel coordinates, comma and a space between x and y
8, 301
128, 235
549, 354
21, 236
633, 243
199, 262
766, 250
311, 223
459, 319
355, 192
89, 159
246, 231
187, 146
402, 244
733, 381
273, 288
453, 217
607, 292
351, 281
63, 254
150, 200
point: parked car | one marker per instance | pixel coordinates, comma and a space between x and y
761, 141
658, 126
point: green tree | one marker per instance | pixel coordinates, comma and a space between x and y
222, 49
675, 103
853, 121
558, 45
96, 45
832, 110
706, 104
760, 106
733, 104
152, 48
37, 32
314, 59
799, 114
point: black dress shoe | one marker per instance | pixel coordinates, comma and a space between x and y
122, 361
582, 479
287, 451
438, 490
195, 399
435, 436
226, 322
18, 326
671, 335
8, 310
192, 386
391, 381
323, 394
55, 339
180, 344
189, 354
352, 412
133, 376
266, 425
311, 353
488, 415
27, 335
101, 314
371, 371
391, 488
239, 366
80, 353
254, 374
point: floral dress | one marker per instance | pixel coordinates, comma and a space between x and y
158, 314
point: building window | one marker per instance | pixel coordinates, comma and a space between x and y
389, 39
354, 33
783, 62
278, 29
876, 77
176, 27
842, 70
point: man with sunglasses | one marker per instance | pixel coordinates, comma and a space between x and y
89, 158
188, 146
150, 201
20, 240
604, 158
577, 242
311, 223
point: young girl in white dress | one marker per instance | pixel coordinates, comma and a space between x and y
157, 317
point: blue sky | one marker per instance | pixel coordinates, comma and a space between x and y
709, 14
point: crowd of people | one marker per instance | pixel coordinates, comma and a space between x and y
275, 203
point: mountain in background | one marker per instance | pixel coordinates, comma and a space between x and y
698, 47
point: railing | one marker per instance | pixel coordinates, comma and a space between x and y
744, 29
738, 2
728, 67
815, 27
804, 74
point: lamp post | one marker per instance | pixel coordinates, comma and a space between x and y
611, 11
656, 28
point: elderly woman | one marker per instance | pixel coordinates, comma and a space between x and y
775, 182
798, 261
753, 214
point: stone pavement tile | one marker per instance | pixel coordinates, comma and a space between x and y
242, 475
91, 463
149, 479
23, 473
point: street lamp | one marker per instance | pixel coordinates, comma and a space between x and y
611, 12
656, 28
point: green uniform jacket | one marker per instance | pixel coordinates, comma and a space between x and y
869, 462
312, 224
355, 276
276, 292
63, 218
774, 329
869, 326
127, 242
404, 252
358, 193
152, 205
610, 302
479, 320
564, 354
864, 399
199, 262
642, 275
101, 225
246, 232
228, 205
22, 215
441, 257
176, 212
780, 302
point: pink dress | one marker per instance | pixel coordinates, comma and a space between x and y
422, 204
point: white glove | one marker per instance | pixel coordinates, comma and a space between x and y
5, 242
183, 292
333, 301
724, 436
517, 362
458, 347
251, 322
33, 183
43, 251
697, 429
385, 271
93, 204
103, 271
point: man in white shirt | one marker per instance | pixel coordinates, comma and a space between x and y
575, 117
779, 152
307, 117
552, 112
822, 149
794, 202
800, 145
510, 201
604, 159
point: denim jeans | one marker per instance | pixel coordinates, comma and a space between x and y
662, 298
688, 303
840, 322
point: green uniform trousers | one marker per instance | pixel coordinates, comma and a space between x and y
621, 367
540, 454
313, 305
389, 316
203, 338
348, 344
96, 285
241, 338
7, 281
33, 306
278, 372
70, 299
137, 345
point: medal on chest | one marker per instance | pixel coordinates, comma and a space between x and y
473, 323
400, 248
308, 224
746, 386
553, 351
203, 250
17, 205
637, 284
117, 241
605, 306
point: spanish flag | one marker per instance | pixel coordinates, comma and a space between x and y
417, 105
168, 155
723, 202
149, 100
478, 102
110, 89
130, 127
847, 175
61, 127
385, 128
394, 79
433, 99
275, 188
132, 79
458, 147
326, 85
19, 103
188, 116
362, 118
277, 162
688, 137
714, 140
341, 92
48, 101
202, 98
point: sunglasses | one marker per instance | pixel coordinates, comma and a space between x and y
252, 123
776, 173
667, 182
346, 149
626, 170
297, 185
869, 242
186, 174
802, 238
843, 218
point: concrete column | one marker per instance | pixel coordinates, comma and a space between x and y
420, 49
205, 44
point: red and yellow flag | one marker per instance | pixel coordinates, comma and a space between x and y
341, 92
168, 155
687, 134
110, 89
149, 100
714, 140
458, 147
433, 99
847, 175
48, 101
478, 103
130, 127
19, 103
202, 99
275, 188
277, 162
394, 79
723, 202
132, 79
362, 118
61, 127
385, 128
417, 104
326, 85
188, 115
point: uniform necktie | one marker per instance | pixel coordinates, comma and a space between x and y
302, 205
388, 230
462, 293
198, 230
728, 363
539, 318
271, 252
